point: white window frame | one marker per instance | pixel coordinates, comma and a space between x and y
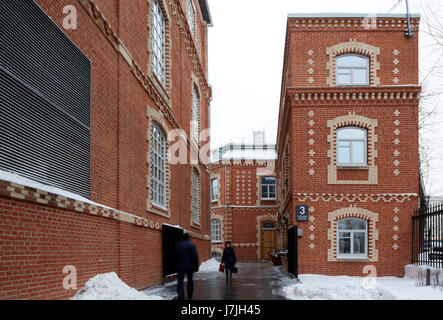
216, 230
195, 203
351, 141
268, 185
214, 190
158, 167
195, 113
191, 17
158, 42
340, 70
352, 232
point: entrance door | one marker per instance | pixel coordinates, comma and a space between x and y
268, 239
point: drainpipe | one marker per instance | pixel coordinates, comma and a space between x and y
408, 33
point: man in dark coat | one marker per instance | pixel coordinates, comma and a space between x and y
186, 262
229, 259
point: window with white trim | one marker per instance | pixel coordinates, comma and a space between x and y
158, 167
158, 42
268, 188
352, 146
352, 237
352, 70
191, 16
214, 190
195, 206
216, 230
195, 109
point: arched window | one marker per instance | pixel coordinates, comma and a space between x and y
158, 42
351, 146
158, 166
216, 230
352, 70
195, 182
352, 237
195, 113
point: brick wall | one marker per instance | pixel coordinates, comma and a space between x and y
38, 240
385, 191
245, 211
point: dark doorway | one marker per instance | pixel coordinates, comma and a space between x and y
293, 251
170, 236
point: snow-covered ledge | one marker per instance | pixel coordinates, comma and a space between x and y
413, 272
15, 186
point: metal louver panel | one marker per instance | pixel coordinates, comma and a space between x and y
45, 98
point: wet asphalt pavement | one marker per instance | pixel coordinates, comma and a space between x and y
254, 281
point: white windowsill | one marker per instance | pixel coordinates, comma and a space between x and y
349, 166
353, 258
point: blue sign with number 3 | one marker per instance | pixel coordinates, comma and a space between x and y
302, 213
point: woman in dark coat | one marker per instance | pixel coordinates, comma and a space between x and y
228, 259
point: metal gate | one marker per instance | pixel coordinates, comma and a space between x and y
427, 236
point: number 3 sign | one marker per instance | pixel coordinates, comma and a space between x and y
302, 213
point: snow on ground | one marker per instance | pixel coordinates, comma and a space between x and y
318, 287
108, 286
211, 265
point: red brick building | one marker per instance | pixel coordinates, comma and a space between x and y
348, 141
147, 64
244, 207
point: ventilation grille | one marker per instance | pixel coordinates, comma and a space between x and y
45, 98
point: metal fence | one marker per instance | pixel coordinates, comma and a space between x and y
427, 236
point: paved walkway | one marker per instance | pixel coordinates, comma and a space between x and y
254, 281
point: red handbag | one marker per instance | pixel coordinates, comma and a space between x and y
221, 268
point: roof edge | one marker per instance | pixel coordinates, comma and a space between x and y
351, 15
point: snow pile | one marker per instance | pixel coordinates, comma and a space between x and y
108, 286
211, 265
314, 287
317, 287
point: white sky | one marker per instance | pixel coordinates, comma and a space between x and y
246, 47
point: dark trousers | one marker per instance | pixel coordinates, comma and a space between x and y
228, 273
181, 286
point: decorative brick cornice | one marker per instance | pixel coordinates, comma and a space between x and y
244, 163
379, 24
247, 208
329, 197
339, 95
